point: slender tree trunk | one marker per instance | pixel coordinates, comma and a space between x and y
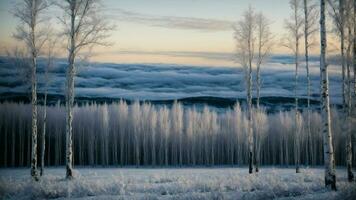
297, 159
34, 121
330, 177
350, 175
249, 101
69, 120
34, 95
43, 149
258, 74
166, 148
306, 44
70, 97
250, 131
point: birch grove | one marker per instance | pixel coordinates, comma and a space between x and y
211, 137
343, 18
127, 132
30, 32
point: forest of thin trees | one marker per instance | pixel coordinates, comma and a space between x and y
141, 134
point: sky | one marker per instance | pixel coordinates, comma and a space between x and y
168, 31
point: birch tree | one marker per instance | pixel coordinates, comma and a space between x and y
244, 36
343, 19
30, 15
84, 28
294, 27
264, 39
329, 162
350, 39
310, 22
260, 126
50, 53
338, 15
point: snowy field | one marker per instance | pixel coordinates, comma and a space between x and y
185, 183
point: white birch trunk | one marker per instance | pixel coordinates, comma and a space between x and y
330, 177
70, 96
34, 117
34, 91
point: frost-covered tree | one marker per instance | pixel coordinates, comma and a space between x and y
298, 127
50, 49
343, 18
349, 26
84, 28
260, 125
310, 28
177, 129
245, 39
338, 16
153, 130
294, 27
264, 45
164, 127
329, 162
136, 128
30, 15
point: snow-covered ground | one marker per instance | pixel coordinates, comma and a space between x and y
173, 183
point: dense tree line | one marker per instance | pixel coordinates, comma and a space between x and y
145, 135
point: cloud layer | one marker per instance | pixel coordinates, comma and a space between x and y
163, 81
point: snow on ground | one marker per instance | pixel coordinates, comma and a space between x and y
173, 183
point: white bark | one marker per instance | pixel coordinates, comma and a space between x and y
29, 13
330, 177
244, 35
84, 29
